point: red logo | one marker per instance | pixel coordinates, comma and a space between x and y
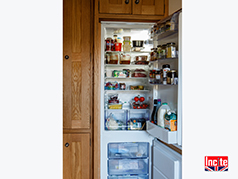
216, 163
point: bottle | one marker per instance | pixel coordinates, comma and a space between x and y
153, 112
156, 111
170, 121
164, 108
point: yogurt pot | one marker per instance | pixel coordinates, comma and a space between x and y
109, 73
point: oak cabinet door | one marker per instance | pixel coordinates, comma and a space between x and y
76, 156
77, 78
148, 7
115, 6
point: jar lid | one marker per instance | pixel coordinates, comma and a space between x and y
171, 43
166, 66
174, 71
164, 45
158, 45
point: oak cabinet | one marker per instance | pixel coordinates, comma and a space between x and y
76, 156
136, 7
77, 78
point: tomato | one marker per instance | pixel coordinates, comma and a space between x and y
136, 98
142, 99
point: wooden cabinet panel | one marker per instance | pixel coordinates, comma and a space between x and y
115, 6
76, 156
77, 78
149, 7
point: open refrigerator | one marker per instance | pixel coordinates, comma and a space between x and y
130, 143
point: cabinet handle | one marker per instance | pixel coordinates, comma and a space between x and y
66, 57
66, 144
137, 1
127, 1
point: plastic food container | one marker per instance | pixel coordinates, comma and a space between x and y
127, 38
141, 58
115, 106
125, 59
112, 58
117, 46
119, 74
140, 87
138, 43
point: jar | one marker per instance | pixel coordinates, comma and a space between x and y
166, 68
171, 50
109, 43
167, 26
158, 78
163, 51
173, 77
159, 47
153, 54
122, 86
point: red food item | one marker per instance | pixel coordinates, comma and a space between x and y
134, 107
136, 98
142, 99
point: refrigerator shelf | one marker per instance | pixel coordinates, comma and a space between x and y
163, 59
134, 78
129, 177
167, 136
134, 52
163, 84
123, 65
136, 91
165, 34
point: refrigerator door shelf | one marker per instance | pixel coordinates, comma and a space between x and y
169, 137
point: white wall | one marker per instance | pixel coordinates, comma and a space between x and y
174, 5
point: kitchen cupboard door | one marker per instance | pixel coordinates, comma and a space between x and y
76, 156
115, 6
149, 7
77, 78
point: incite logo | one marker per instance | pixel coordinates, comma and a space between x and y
216, 163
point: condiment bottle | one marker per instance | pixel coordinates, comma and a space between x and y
171, 50
166, 68
159, 47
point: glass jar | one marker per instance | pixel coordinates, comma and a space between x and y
153, 54
171, 50
158, 74
159, 47
163, 51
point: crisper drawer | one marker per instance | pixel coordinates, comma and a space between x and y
128, 150
115, 119
128, 166
129, 177
137, 119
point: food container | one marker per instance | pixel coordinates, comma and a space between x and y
108, 73
126, 43
122, 86
136, 124
163, 51
118, 74
126, 48
125, 59
115, 106
139, 73
153, 54
127, 38
137, 43
141, 58
109, 44
139, 87
171, 50
112, 58
117, 46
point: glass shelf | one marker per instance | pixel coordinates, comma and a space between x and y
127, 52
163, 59
136, 91
123, 65
134, 78
165, 34
163, 84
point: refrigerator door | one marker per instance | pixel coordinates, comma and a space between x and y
167, 164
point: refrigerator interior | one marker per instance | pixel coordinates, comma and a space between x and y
123, 131
118, 121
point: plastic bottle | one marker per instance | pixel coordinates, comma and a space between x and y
153, 112
164, 108
156, 111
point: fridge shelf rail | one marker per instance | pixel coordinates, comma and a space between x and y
167, 136
165, 34
135, 91
163, 59
134, 78
125, 65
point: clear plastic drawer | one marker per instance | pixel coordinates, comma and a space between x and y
137, 119
115, 119
128, 150
129, 177
128, 166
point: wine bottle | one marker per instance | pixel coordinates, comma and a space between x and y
153, 112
